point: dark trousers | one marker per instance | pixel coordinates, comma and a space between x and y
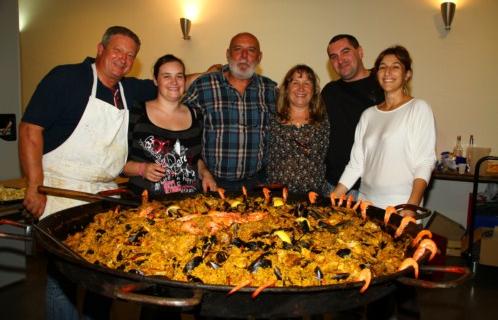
401, 304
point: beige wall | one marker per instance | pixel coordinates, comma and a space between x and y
456, 71
10, 92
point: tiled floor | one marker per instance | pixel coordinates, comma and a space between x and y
476, 299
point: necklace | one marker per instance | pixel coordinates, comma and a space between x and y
299, 123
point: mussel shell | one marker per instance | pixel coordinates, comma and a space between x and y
382, 244
365, 265
343, 252
192, 278
318, 273
221, 256
135, 237
238, 242
277, 273
340, 276
260, 262
316, 214
213, 265
304, 226
135, 271
192, 264
330, 228
300, 210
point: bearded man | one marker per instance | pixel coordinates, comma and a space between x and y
236, 104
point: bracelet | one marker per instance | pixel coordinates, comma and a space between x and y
141, 169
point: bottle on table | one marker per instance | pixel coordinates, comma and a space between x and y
458, 150
470, 151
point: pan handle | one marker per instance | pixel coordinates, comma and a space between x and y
127, 292
13, 236
464, 273
420, 213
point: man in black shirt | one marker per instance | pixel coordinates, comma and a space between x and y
346, 99
74, 135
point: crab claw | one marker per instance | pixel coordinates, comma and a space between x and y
266, 193
409, 262
426, 244
263, 287
341, 200
241, 285
244, 191
418, 253
349, 201
285, 194
365, 275
333, 197
387, 215
363, 207
404, 222
145, 197
357, 204
420, 235
221, 192
312, 196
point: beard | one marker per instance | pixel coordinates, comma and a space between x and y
240, 74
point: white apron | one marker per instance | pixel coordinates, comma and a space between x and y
93, 155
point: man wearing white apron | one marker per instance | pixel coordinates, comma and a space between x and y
73, 135
93, 156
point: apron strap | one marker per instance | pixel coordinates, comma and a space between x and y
94, 87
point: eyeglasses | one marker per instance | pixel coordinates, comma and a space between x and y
118, 103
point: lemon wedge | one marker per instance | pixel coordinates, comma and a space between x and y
278, 202
172, 208
283, 236
235, 203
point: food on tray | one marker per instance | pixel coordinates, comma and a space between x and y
243, 240
10, 194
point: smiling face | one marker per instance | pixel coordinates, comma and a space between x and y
243, 56
300, 90
391, 74
116, 59
170, 81
346, 60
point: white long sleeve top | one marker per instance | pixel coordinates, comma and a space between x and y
391, 149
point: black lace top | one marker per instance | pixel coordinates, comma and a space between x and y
297, 156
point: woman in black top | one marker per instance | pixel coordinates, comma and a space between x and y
165, 138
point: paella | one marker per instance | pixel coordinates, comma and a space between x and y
257, 241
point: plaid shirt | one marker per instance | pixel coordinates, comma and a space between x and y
236, 126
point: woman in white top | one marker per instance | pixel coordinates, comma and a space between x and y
394, 148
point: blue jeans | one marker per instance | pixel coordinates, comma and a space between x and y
61, 302
60, 299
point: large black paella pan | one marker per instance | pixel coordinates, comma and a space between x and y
212, 300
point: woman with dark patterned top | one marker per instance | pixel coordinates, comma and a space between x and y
299, 134
165, 138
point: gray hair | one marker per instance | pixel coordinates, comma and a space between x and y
114, 30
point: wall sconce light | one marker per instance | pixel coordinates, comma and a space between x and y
447, 11
185, 25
